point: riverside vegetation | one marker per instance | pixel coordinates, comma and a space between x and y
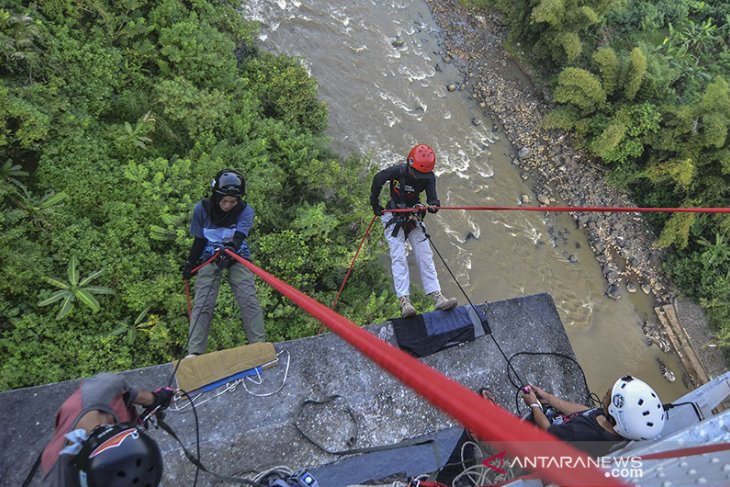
114, 113
643, 87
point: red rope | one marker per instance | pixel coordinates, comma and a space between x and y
485, 419
352, 264
573, 209
349, 270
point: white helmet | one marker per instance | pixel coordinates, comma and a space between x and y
636, 408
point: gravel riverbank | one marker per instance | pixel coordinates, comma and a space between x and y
560, 174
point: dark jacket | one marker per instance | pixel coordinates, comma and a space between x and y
405, 190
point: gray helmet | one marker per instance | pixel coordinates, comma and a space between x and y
229, 182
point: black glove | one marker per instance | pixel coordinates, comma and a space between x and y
378, 210
224, 260
163, 398
433, 206
187, 271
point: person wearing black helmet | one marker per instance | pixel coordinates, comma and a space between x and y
97, 440
407, 182
222, 221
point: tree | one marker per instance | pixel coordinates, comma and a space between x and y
580, 88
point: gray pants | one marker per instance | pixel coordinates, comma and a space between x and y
207, 284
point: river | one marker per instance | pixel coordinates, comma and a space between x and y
382, 73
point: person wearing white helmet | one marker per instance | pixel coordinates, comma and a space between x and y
630, 410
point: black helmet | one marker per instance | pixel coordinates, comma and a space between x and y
119, 455
229, 182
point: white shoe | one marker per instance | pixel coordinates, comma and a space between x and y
442, 303
406, 308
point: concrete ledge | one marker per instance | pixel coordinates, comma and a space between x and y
241, 433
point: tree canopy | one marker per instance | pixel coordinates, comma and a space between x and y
116, 115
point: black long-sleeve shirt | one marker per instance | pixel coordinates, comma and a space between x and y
405, 190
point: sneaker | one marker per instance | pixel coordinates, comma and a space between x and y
442, 303
406, 308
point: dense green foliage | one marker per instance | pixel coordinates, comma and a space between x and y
644, 86
115, 117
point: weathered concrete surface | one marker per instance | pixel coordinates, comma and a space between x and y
241, 433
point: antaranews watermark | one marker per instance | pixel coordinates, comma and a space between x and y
619, 467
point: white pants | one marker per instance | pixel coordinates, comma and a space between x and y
398, 263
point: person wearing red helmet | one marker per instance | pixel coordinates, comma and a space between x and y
407, 182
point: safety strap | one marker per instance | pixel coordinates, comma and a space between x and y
353, 439
166, 427
405, 221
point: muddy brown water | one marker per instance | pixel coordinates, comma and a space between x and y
382, 72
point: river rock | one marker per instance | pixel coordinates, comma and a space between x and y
612, 277
613, 292
666, 372
523, 153
397, 42
524, 199
655, 335
451, 87
543, 199
631, 287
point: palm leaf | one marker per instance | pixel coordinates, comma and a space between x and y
119, 331
57, 296
99, 290
52, 199
73, 271
141, 316
67, 306
88, 299
56, 282
91, 277
131, 335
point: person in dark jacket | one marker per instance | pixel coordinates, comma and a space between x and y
222, 221
407, 182
96, 432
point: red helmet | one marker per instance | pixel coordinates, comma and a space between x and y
422, 159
